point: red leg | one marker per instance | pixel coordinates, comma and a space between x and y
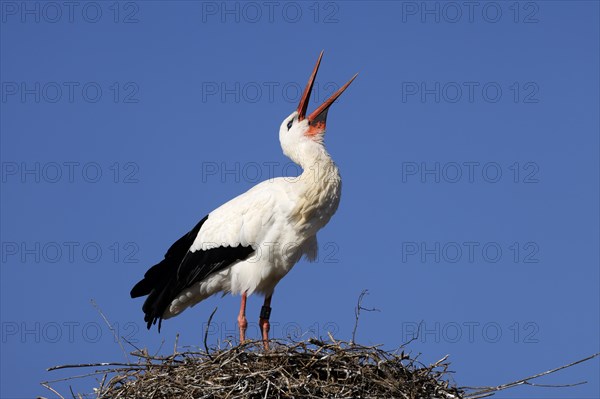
242, 322
265, 312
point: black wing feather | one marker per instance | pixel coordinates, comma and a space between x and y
180, 269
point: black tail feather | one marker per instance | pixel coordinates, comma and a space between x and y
159, 278
181, 269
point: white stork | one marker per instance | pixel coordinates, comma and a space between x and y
249, 243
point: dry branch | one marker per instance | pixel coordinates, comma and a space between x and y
483, 392
357, 310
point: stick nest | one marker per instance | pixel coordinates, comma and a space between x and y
308, 369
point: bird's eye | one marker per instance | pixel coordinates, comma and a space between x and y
290, 123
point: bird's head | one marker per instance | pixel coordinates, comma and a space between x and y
299, 134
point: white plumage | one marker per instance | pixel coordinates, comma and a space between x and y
279, 218
249, 243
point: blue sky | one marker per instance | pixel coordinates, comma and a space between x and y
468, 148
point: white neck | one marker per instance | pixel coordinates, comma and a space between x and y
319, 188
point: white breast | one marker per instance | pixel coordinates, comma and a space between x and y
262, 218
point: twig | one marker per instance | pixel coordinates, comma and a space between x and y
206, 332
357, 310
525, 381
162, 342
555, 385
53, 390
117, 338
74, 377
102, 385
415, 337
131, 343
70, 366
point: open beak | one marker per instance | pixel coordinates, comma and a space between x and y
317, 119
